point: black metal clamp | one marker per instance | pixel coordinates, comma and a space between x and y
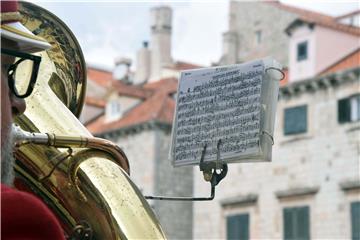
210, 173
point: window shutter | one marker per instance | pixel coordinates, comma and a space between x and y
295, 120
288, 223
355, 220
303, 230
244, 226
344, 110
296, 223
232, 228
238, 227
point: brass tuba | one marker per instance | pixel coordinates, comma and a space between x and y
84, 180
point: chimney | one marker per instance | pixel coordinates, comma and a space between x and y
142, 73
160, 40
230, 48
122, 69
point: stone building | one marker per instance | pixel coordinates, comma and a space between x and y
256, 29
310, 190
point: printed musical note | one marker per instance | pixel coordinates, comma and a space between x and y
221, 103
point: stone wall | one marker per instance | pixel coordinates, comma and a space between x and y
147, 150
248, 17
139, 148
316, 162
176, 217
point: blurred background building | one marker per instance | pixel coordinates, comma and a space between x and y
311, 189
135, 110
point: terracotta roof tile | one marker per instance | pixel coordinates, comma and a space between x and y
349, 61
105, 79
355, 12
332, 24
101, 77
130, 90
317, 18
300, 11
92, 101
179, 65
158, 106
168, 85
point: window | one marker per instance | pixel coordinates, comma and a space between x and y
349, 109
258, 37
302, 51
352, 22
355, 220
113, 110
237, 227
296, 223
295, 120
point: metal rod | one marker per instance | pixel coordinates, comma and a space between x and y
184, 198
210, 174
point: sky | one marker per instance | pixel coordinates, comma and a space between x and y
107, 30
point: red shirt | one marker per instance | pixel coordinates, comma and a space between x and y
23, 216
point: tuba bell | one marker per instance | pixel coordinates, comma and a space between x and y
83, 180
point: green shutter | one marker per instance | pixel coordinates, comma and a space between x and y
238, 227
296, 223
303, 226
295, 120
344, 110
355, 220
288, 223
244, 226
231, 228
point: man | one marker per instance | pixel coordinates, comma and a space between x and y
23, 216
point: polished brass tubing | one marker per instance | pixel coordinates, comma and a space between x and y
23, 137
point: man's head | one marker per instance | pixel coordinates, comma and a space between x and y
16, 44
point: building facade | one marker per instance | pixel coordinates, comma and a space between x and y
313, 178
311, 189
252, 33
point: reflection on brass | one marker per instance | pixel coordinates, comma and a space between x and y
82, 179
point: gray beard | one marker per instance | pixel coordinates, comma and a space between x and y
7, 160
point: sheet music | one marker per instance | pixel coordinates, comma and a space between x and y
218, 103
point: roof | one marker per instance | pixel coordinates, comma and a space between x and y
328, 24
130, 90
105, 79
158, 105
349, 61
315, 18
168, 85
300, 11
180, 65
355, 12
99, 76
92, 101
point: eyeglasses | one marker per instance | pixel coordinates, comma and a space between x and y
23, 73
